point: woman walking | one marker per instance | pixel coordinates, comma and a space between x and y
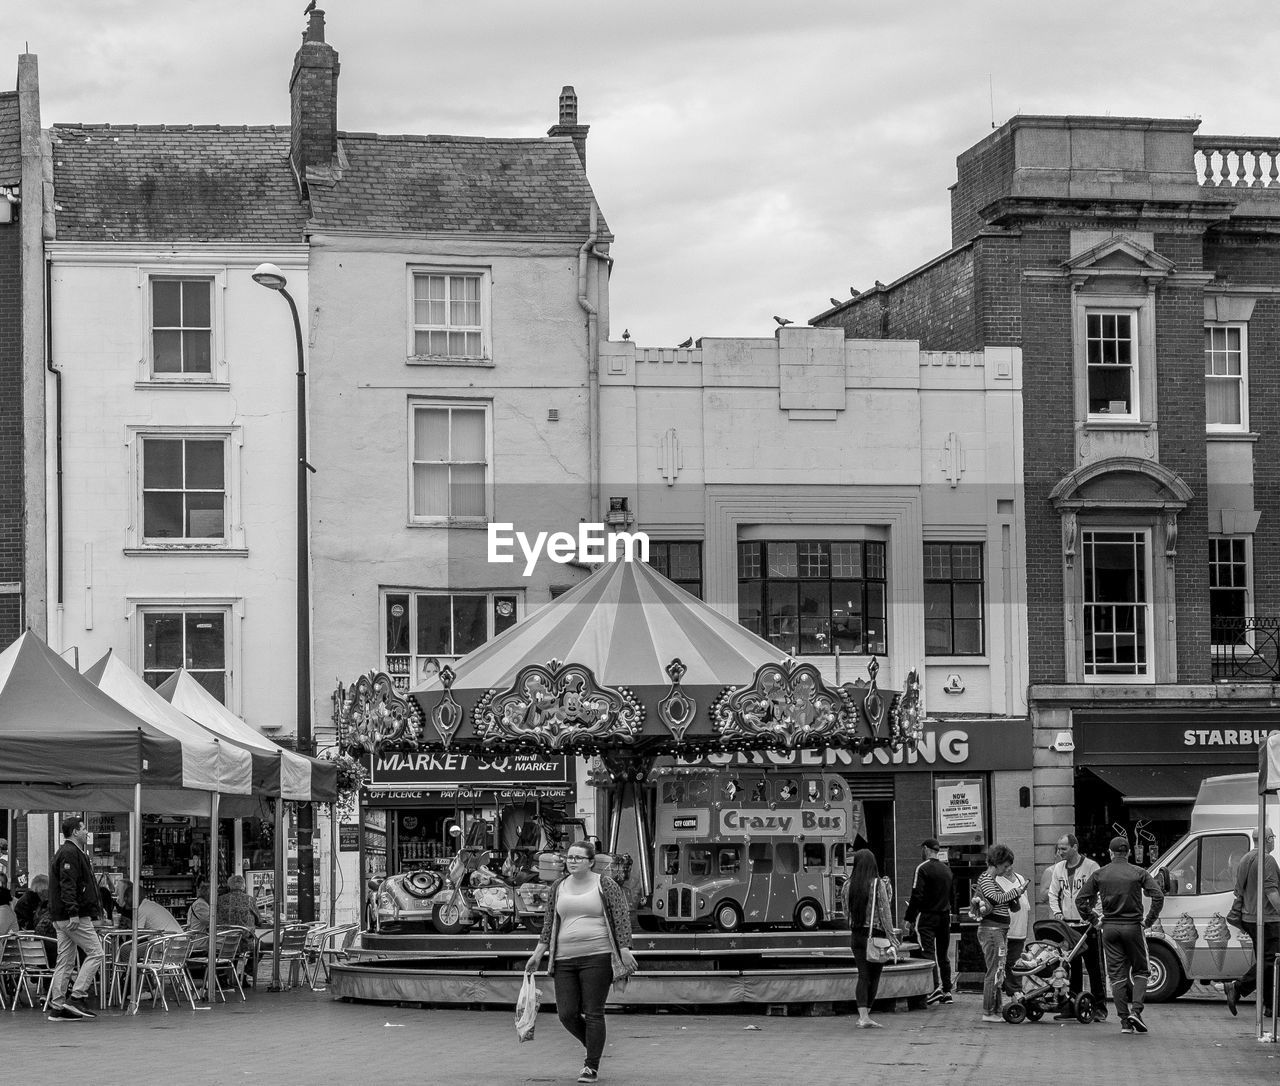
991, 903
867, 906
587, 929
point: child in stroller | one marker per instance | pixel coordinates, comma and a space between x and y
1042, 977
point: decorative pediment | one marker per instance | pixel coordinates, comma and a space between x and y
558, 707
786, 705
372, 715
1121, 482
1119, 258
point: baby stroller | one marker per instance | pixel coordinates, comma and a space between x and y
1042, 975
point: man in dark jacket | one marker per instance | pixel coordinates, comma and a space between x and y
930, 910
1120, 886
73, 907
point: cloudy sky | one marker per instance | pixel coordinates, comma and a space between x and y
751, 157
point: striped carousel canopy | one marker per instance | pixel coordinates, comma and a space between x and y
626, 622
629, 661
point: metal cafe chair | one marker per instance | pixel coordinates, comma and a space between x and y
33, 965
164, 964
334, 944
117, 945
293, 952
228, 949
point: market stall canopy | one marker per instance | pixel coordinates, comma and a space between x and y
58, 731
277, 772
628, 660
208, 763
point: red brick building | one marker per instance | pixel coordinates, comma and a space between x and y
1137, 266
22, 370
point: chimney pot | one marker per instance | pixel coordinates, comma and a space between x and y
568, 106
315, 27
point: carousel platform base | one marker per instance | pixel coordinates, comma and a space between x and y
803, 970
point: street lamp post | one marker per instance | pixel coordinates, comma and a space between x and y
271, 277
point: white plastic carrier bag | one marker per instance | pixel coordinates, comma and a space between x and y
527, 1008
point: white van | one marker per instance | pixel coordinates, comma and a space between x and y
1193, 941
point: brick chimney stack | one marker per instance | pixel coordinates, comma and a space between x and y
313, 94
569, 125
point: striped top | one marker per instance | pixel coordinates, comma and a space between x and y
998, 897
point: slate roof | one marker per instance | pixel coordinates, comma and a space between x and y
199, 183
428, 184
10, 140
189, 183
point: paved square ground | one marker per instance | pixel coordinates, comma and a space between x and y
306, 1037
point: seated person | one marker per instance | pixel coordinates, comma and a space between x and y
236, 908
8, 921
198, 914
106, 899
29, 904
152, 916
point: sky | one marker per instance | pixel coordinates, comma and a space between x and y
751, 158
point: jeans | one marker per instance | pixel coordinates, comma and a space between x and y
933, 931
73, 934
1127, 965
993, 941
868, 972
582, 986
1013, 950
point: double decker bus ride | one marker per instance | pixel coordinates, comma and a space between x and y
734, 848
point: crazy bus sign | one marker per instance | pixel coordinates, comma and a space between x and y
739, 848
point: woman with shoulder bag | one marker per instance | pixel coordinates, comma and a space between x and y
873, 939
587, 928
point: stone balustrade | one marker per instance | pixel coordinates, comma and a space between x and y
1251, 162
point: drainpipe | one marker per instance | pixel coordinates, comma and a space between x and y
57, 409
593, 370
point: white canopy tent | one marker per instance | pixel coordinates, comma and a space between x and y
296, 776
219, 775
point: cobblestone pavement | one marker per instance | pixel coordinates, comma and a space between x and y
306, 1037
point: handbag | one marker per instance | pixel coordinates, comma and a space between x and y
881, 950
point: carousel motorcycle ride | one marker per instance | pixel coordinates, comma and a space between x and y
468, 893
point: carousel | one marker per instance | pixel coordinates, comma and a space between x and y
641, 678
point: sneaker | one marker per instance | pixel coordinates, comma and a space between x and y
59, 1014
71, 1010
589, 1074
992, 1018
936, 996
1233, 996
78, 1006
1136, 1022
945, 999
1125, 1027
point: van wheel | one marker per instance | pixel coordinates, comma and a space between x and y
808, 916
727, 917
1166, 981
